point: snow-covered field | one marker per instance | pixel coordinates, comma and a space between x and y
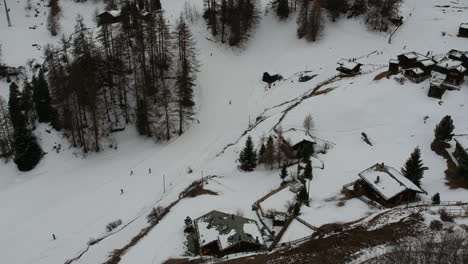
75, 198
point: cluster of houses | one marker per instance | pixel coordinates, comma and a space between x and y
447, 73
384, 185
218, 234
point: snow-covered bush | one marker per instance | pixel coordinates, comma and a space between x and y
113, 225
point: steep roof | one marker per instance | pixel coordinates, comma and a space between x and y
295, 136
437, 78
390, 182
350, 65
449, 64
227, 230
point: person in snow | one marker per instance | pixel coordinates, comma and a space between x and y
121, 191
149, 171
131, 172
53, 236
229, 101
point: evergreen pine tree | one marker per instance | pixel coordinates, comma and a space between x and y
303, 196
269, 154
284, 172
303, 18
261, 152
308, 170
27, 152
187, 68
41, 98
444, 130
436, 198
414, 167
282, 9
248, 156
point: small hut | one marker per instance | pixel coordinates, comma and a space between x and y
299, 141
416, 75
349, 67
463, 30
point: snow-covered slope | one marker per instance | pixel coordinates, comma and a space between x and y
75, 198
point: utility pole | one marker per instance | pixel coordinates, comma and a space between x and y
7, 13
164, 183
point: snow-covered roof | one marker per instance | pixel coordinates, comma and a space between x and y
227, 230
278, 202
410, 55
427, 62
448, 63
296, 187
348, 64
394, 61
456, 53
437, 78
464, 25
461, 69
295, 136
414, 55
462, 140
417, 71
114, 13
387, 181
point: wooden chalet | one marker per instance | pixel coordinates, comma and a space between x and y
416, 75
349, 67
410, 59
386, 185
220, 234
460, 154
299, 141
463, 30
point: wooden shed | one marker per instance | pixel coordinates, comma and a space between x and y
349, 67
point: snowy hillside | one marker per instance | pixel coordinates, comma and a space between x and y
75, 197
